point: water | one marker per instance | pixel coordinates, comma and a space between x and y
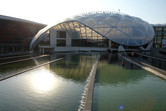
8, 69
128, 87
59, 86
54, 87
154, 62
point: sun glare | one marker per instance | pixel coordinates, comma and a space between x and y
43, 81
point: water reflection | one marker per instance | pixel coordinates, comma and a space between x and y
128, 86
43, 80
110, 71
54, 87
8, 69
74, 67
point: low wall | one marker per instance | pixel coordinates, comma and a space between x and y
156, 71
87, 96
63, 49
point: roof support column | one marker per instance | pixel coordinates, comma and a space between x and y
68, 40
53, 36
109, 44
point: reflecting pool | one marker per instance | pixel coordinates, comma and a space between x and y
58, 86
127, 87
54, 87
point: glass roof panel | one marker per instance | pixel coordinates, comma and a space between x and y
120, 28
90, 22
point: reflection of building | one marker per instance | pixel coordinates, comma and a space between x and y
110, 70
75, 67
16, 34
95, 31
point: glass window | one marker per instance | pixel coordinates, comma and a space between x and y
158, 28
61, 34
90, 42
59, 27
164, 28
61, 42
75, 42
164, 37
76, 25
71, 25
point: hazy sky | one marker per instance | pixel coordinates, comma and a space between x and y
50, 11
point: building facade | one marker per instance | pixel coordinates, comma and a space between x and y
160, 36
95, 31
16, 34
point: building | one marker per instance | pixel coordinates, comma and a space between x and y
16, 34
97, 31
159, 41
160, 35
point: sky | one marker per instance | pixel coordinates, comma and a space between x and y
52, 11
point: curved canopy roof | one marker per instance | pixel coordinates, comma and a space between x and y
119, 28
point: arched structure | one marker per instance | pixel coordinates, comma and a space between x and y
98, 29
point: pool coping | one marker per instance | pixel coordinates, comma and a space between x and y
87, 99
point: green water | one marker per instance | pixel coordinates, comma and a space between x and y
54, 87
129, 86
59, 86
